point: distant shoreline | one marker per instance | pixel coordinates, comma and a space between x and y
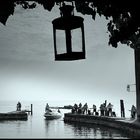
64, 107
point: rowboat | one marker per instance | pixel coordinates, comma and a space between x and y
52, 114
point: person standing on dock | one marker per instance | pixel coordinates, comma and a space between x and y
80, 105
94, 109
102, 110
18, 106
76, 107
109, 109
80, 108
133, 112
85, 108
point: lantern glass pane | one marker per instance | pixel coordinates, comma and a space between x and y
60, 41
76, 40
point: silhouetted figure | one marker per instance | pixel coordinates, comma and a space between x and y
76, 107
109, 109
73, 110
80, 105
18, 106
133, 112
85, 108
94, 109
105, 110
80, 109
122, 108
47, 108
102, 110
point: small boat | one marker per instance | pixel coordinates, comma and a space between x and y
52, 114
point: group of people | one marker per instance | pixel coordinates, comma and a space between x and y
80, 109
107, 110
104, 110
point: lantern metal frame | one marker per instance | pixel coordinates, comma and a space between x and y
68, 22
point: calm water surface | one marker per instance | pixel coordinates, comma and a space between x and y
37, 127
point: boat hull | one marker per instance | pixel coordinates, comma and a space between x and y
52, 116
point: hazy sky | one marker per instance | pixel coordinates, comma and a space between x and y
28, 70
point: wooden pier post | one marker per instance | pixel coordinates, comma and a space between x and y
122, 108
31, 109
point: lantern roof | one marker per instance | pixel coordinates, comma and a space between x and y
64, 23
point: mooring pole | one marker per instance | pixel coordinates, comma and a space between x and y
122, 108
31, 109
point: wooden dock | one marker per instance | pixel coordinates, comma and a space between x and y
14, 115
17, 115
29, 111
128, 126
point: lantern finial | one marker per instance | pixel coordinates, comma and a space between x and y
66, 10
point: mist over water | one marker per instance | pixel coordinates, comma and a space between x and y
37, 127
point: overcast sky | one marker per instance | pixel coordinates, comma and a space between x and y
28, 70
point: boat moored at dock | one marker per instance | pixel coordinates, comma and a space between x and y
51, 114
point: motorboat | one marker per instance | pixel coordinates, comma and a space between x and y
52, 114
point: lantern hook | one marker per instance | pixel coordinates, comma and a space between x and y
66, 10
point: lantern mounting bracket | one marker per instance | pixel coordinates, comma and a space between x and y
66, 10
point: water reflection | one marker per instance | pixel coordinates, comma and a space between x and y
47, 125
81, 131
95, 131
59, 129
54, 128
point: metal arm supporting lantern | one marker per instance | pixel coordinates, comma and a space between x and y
129, 88
64, 28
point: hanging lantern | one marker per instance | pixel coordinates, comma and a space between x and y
68, 33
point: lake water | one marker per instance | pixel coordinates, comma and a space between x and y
37, 127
